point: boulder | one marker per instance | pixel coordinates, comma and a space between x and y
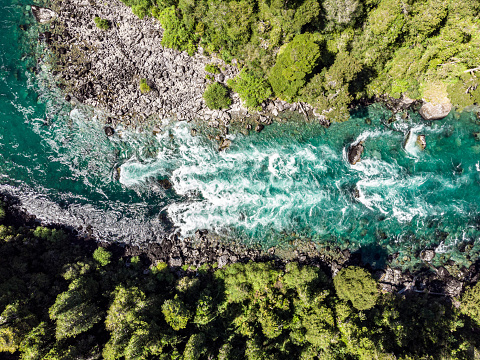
355, 153
109, 130
421, 142
427, 255
43, 15
430, 111
259, 127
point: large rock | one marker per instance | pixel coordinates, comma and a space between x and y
355, 153
430, 111
43, 15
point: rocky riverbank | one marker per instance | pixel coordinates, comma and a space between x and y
188, 254
103, 68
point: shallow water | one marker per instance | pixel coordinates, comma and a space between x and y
290, 181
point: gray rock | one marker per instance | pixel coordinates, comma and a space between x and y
430, 111
222, 261
175, 262
427, 255
355, 153
43, 15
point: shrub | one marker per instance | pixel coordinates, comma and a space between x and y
102, 256
102, 24
470, 304
253, 90
175, 35
356, 285
212, 69
216, 96
144, 88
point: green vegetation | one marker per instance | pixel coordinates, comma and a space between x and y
420, 48
253, 90
471, 303
212, 69
59, 300
102, 24
216, 96
356, 285
144, 87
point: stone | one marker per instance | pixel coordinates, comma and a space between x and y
109, 130
222, 261
43, 15
430, 111
193, 132
259, 127
175, 262
165, 184
476, 135
225, 144
421, 142
355, 153
427, 255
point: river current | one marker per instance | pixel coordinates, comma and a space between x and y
290, 181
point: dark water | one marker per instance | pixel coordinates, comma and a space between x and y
290, 181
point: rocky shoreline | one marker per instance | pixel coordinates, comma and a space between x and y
103, 68
187, 255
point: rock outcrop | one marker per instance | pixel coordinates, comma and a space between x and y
43, 15
355, 153
430, 111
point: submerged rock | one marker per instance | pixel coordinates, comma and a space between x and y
109, 130
165, 183
43, 15
355, 153
430, 111
421, 142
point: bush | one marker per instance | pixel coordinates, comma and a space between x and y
253, 90
470, 304
212, 69
144, 88
102, 256
216, 96
102, 24
356, 285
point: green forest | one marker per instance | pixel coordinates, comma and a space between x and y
61, 299
329, 53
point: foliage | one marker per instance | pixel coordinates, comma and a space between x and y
176, 314
356, 285
212, 69
175, 35
216, 96
470, 304
102, 24
294, 64
144, 87
102, 256
253, 89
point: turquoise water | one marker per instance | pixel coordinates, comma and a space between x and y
290, 181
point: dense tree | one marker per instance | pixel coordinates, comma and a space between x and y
294, 64
356, 285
